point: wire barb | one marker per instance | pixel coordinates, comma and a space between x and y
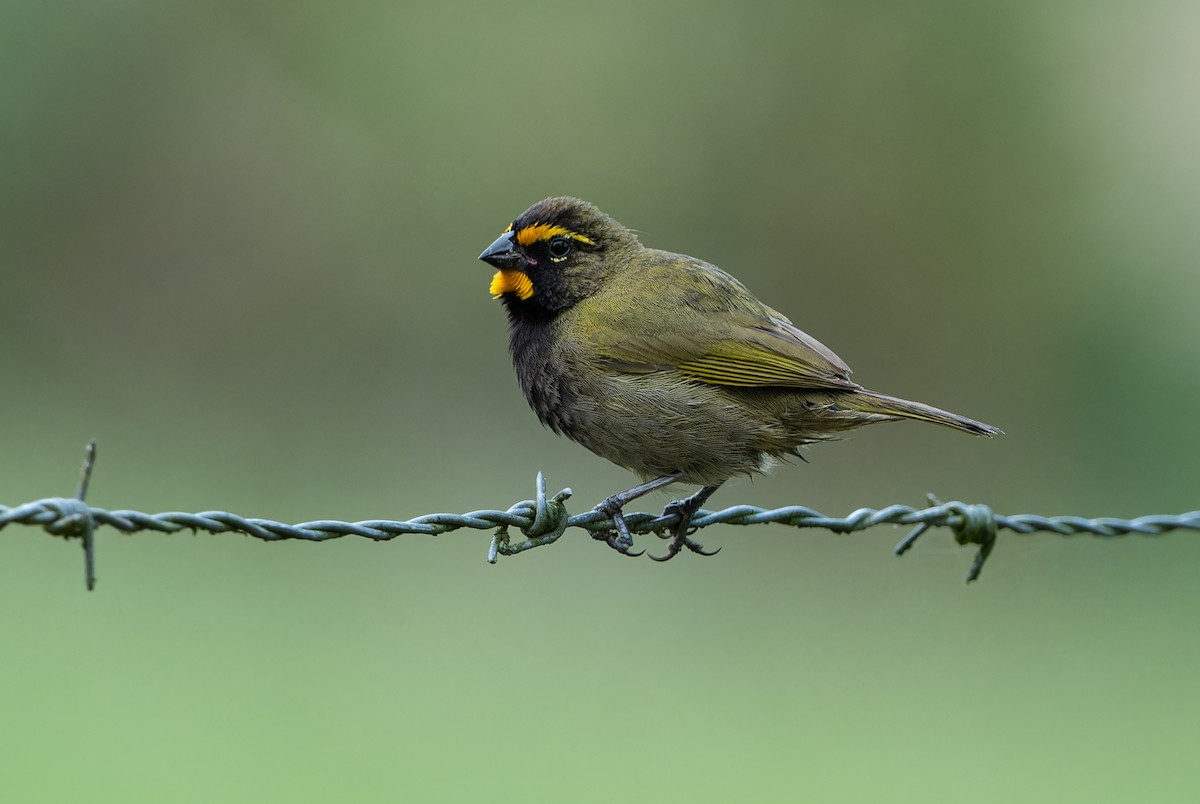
971, 524
544, 519
75, 517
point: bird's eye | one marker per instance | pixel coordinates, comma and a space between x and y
559, 248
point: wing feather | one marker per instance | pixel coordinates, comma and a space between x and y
715, 331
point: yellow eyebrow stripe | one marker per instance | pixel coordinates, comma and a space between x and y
537, 232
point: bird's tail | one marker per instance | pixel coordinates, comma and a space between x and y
883, 405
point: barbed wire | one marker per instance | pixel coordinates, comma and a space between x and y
544, 519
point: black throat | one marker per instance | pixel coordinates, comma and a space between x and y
532, 339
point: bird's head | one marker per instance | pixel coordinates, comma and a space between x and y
556, 253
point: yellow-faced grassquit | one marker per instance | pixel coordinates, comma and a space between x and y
666, 365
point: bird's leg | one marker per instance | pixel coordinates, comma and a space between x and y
613, 506
686, 509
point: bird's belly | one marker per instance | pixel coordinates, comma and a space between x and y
659, 423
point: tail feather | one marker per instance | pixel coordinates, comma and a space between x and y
883, 405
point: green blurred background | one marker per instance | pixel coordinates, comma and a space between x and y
237, 246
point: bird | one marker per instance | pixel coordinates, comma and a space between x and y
666, 365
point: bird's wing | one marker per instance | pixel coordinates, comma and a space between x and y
711, 329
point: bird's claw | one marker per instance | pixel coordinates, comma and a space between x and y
681, 535
680, 541
618, 544
622, 539
616, 541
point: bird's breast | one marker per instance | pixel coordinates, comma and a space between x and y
543, 372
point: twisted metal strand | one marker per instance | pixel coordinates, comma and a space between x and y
544, 519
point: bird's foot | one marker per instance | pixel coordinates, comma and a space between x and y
681, 533
622, 539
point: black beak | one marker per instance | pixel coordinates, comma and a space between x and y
502, 255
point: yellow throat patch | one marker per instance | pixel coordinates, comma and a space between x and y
507, 280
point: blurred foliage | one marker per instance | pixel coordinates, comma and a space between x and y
237, 246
